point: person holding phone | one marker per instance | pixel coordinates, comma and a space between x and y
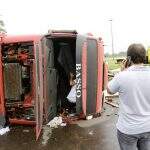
133, 86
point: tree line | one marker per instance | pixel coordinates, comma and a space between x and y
120, 54
2, 26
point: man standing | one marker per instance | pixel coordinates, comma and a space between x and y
133, 86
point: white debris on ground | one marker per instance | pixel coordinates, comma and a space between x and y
26, 131
63, 124
91, 132
57, 121
89, 117
47, 130
4, 130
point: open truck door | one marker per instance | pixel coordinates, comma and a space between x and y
38, 89
89, 74
21, 93
50, 80
2, 107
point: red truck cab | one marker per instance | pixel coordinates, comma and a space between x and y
36, 72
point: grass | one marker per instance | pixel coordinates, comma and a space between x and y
112, 63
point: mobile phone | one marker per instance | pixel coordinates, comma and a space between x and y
128, 62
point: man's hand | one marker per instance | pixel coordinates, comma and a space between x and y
124, 64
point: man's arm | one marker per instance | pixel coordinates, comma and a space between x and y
108, 91
113, 86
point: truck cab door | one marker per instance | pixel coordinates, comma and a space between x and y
80, 86
2, 107
38, 89
94, 76
89, 70
50, 80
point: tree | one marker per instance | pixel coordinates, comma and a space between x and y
122, 53
2, 26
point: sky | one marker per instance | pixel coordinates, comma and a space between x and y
130, 19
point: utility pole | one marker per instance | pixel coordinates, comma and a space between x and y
112, 37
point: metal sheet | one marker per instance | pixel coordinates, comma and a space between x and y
12, 81
51, 94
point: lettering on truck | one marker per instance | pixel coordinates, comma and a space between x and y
78, 80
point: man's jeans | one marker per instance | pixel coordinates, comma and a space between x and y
134, 142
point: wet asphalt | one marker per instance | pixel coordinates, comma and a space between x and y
95, 134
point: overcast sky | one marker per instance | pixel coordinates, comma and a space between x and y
131, 18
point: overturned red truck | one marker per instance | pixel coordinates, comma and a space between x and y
36, 73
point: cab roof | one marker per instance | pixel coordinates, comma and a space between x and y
20, 38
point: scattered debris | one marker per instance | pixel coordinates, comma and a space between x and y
69, 118
91, 132
112, 104
47, 130
4, 130
26, 131
55, 122
89, 117
72, 115
114, 71
111, 99
63, 124
111, 75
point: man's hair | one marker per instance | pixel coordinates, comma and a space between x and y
137, 53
